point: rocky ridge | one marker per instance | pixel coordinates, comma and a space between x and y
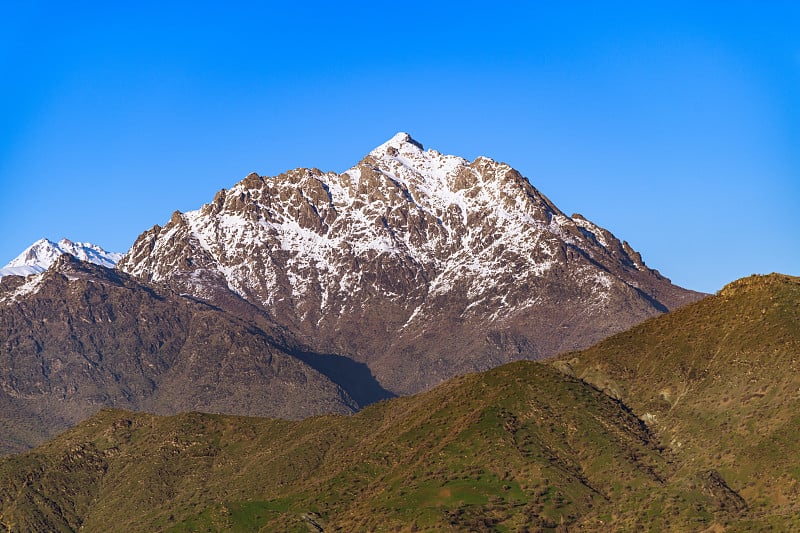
81, 337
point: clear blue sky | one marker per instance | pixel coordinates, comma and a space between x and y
674, 125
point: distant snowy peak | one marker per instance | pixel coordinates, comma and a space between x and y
40, 255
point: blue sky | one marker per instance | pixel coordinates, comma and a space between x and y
675, 126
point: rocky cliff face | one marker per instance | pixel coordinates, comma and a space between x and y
419, 264
81, 337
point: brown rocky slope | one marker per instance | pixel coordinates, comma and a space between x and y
81, 337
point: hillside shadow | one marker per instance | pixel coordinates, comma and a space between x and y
355, 378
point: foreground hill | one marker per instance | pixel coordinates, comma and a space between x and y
718, 381
421, 265
524, 447
519, 446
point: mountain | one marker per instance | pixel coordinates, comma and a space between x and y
704, 439
80, 337
40, 255
421, 265
313, 293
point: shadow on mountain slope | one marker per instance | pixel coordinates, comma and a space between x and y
354, 377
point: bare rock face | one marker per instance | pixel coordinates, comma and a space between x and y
418, 264
82, 337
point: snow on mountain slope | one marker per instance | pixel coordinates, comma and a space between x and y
420, 264
40, 255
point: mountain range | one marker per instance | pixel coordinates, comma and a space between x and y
420, 343
312, 292
686, 422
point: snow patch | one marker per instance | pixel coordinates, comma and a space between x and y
31, 286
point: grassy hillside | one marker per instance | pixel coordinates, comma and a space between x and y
519, 447
718, 381
525, 447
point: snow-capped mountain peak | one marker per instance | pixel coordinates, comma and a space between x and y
401, 251
39, 256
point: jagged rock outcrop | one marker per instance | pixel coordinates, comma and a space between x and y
419, 264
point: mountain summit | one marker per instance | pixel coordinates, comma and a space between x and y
419, 264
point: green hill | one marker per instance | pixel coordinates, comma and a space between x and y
524, 447
520, 446
718, 382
